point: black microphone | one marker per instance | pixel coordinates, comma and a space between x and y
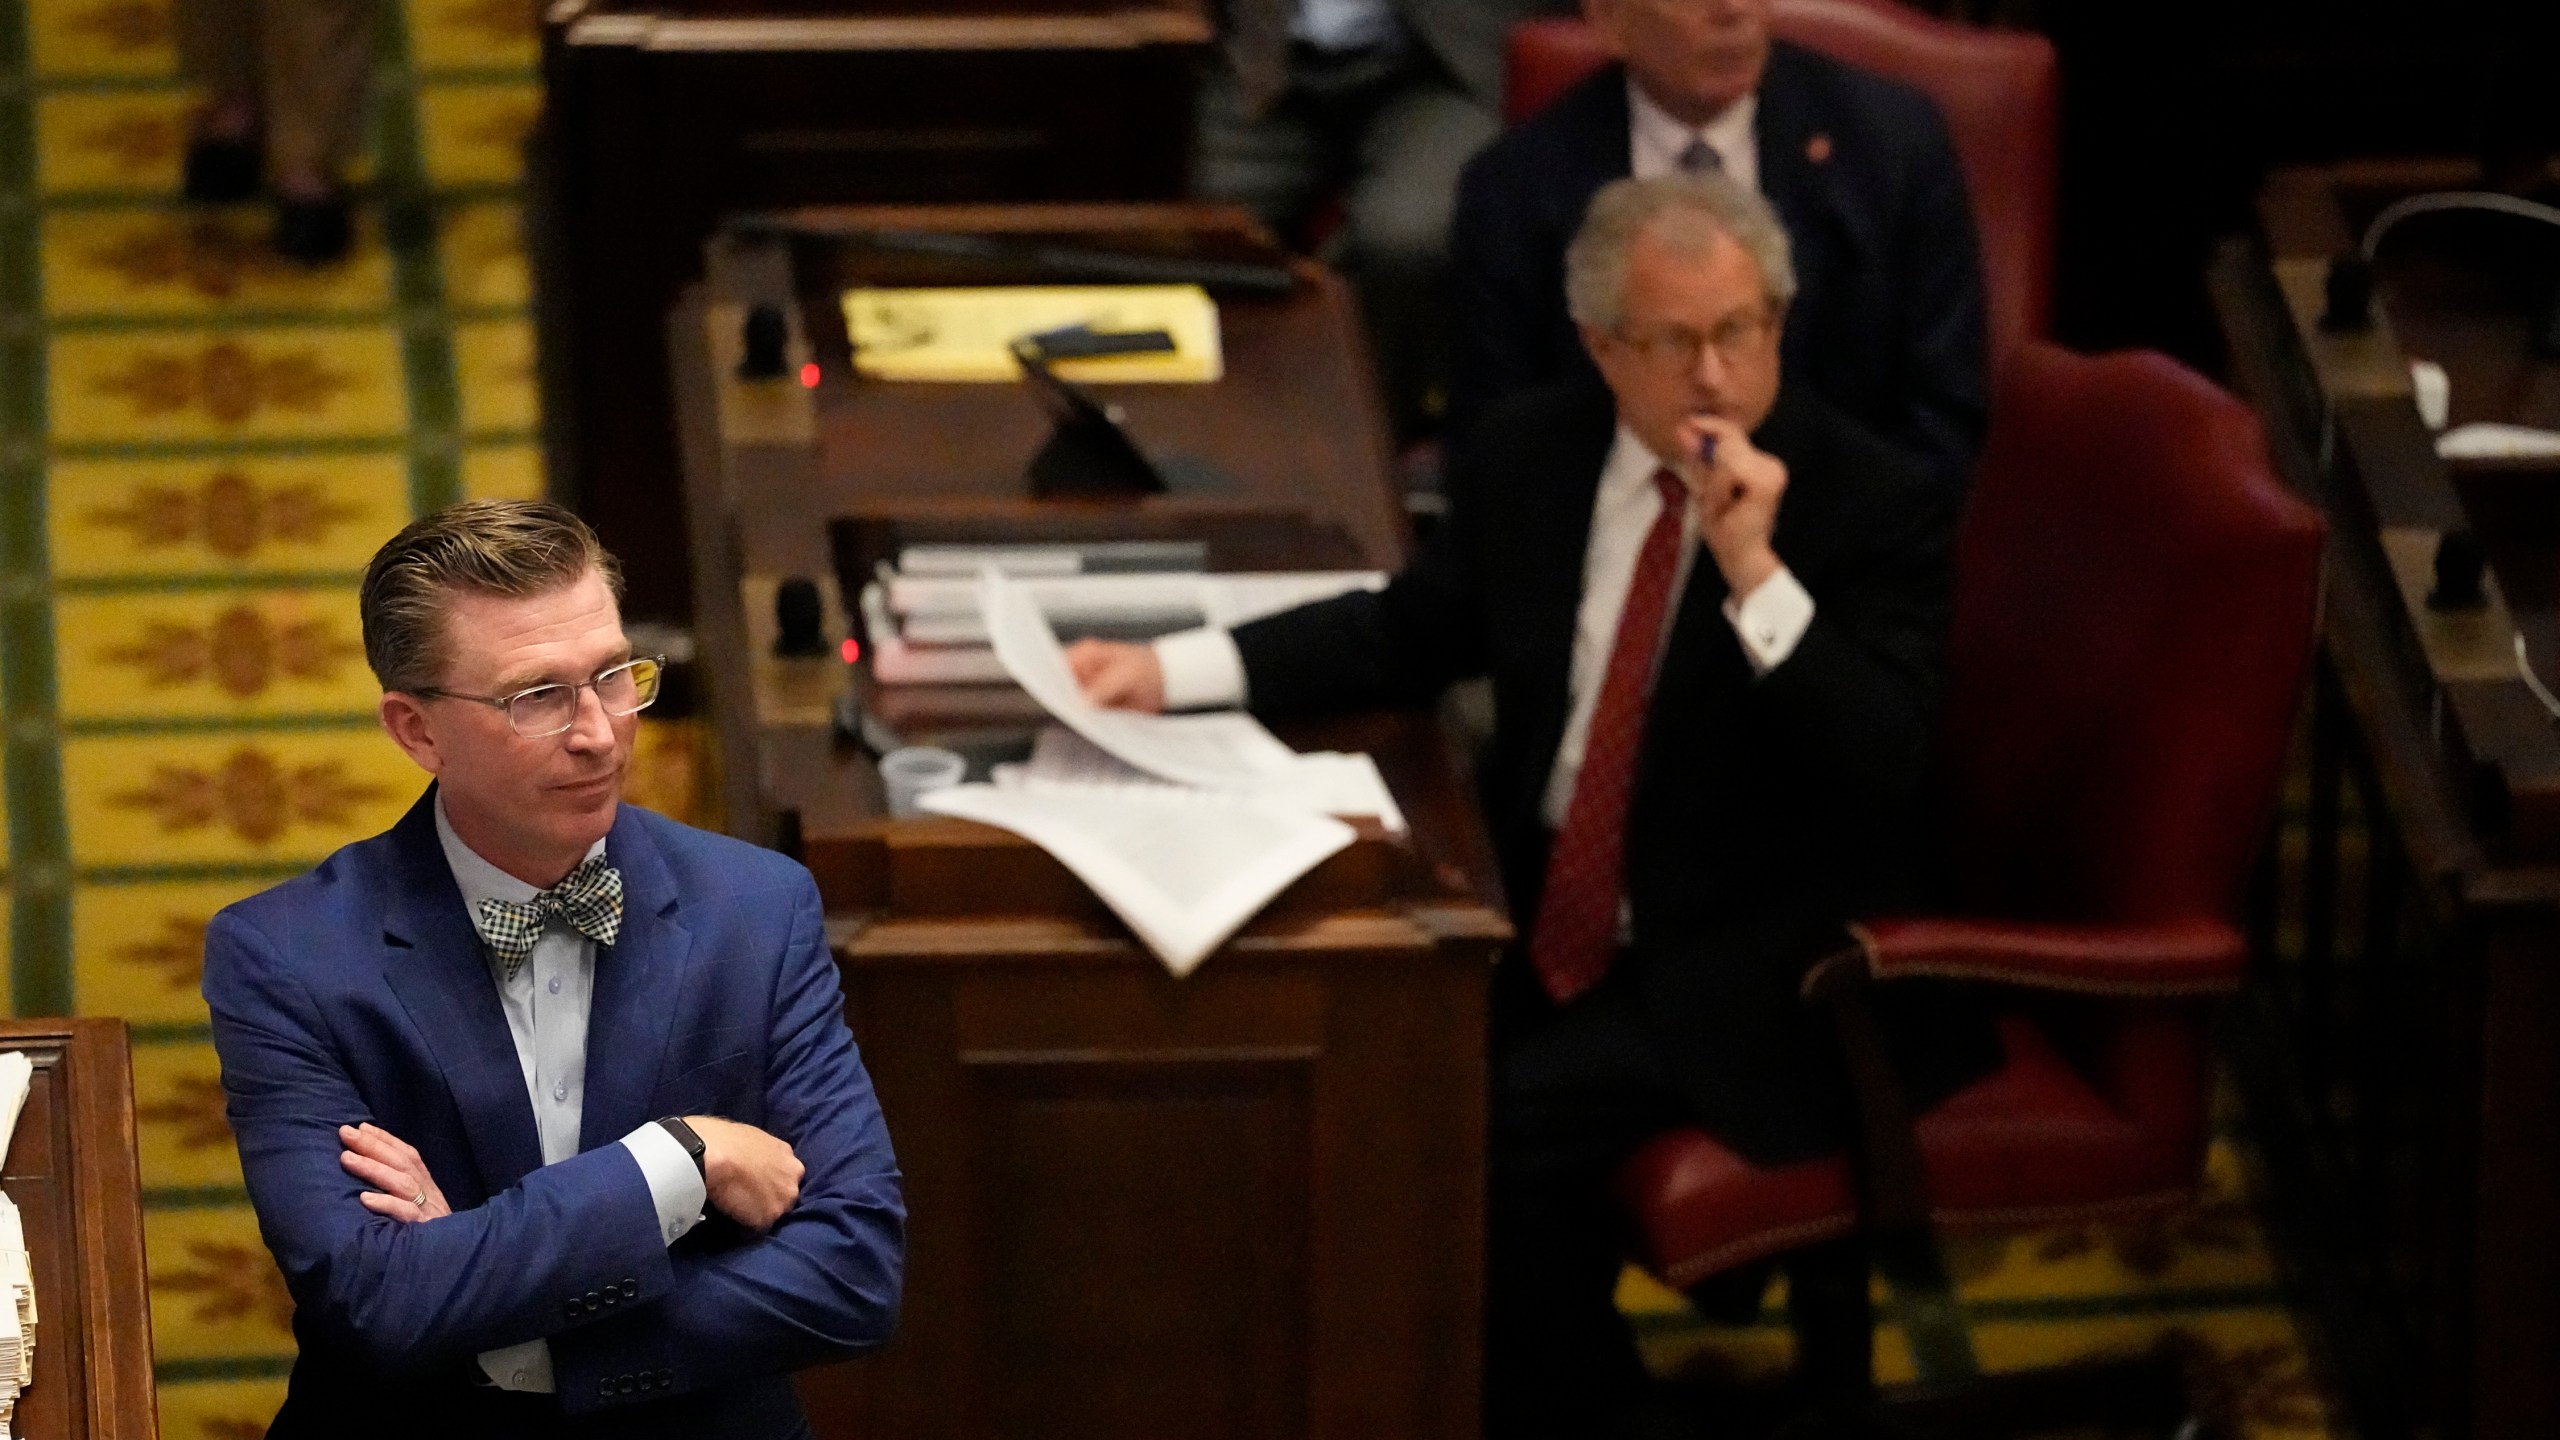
799, 618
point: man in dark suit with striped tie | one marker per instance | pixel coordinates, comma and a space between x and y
1711, 608
1887, 321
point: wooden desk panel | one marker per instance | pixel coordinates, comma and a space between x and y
72, 1172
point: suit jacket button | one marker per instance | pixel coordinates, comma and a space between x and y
629, 1383
666, 1379
630, 1288
605, 1386
594, 1301
648, 1381
573, 1307
612, 1295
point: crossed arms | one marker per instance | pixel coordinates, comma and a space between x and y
412, 1293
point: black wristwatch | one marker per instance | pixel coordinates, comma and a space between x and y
691, 1142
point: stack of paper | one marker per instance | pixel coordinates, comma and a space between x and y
1194, 823
18, 1305
926, 628
967, 334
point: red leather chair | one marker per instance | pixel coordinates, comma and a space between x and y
1999, 91
2133, 620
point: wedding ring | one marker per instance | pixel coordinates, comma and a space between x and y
419, 1199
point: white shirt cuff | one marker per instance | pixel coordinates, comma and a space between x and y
1202, 670
675, 1182
1771, 619
524, 1367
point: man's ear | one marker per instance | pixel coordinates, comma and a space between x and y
406, 721
1594, 343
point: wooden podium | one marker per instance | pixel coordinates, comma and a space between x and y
1247, 1203
73, 1175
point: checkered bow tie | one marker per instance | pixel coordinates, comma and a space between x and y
590, 899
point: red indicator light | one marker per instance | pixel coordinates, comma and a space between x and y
852, 651
809, 376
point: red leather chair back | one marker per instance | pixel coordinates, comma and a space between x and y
1999, 91
2113, 744
1545, 58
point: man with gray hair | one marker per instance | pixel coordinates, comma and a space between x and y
1889, 321
1712, 609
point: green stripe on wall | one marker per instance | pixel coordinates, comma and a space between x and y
39, 838
426, 331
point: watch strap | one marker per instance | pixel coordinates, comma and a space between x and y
685, 1136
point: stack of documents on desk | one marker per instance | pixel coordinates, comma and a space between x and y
927, 628
17, 1278
1185, 825
967, 334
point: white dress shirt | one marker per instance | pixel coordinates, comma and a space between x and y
546, 1005
1202, 667
1655, 140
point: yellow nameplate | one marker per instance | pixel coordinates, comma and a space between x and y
967, 334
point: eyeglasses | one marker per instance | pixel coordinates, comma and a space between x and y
1731, 339
546, 710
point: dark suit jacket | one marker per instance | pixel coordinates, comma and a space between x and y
1888, 317
1767, 811
359, 992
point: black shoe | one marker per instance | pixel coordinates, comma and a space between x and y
220, 172
313, 232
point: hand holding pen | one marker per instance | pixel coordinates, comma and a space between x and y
1735, 487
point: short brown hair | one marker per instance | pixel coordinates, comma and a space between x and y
484, 547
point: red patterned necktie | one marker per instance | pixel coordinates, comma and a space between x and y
1576, 934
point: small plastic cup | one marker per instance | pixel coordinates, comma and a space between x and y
917, 770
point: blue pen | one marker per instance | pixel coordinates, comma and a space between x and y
1707, 457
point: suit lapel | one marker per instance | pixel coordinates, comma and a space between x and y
434, 963
1800, 173
638, 978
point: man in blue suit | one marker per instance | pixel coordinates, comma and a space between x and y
1887, 322
489, 1070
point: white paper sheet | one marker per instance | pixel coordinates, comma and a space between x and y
1324, 783
1225, 750
17, 1276
1183, 868
16, 1073
2488, 440
17, 1312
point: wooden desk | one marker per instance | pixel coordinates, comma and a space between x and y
1243, 1204
661, 115
2403, 1059
72, 1173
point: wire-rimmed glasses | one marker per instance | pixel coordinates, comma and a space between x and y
545, 710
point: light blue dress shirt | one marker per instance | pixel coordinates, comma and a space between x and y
546, 1005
